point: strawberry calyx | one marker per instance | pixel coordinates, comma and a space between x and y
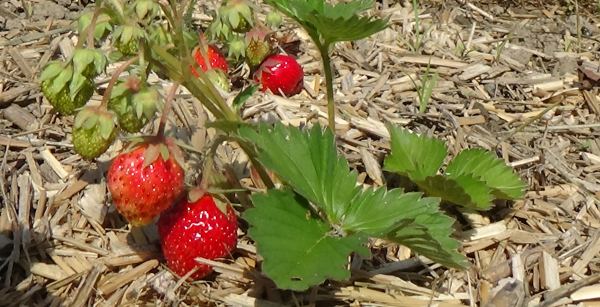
134, 103
89, 62
103, 25
126, 38
236, 49
156, 147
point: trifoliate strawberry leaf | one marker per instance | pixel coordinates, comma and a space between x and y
414, 156
307, 161
391, 214
326, 23
484, 165
464, 190
298, 249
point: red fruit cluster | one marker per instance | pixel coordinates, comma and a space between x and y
141, 189
280, 73
194, 229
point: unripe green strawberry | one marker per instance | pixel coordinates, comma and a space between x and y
237, 49
258, 47
126, 39
134, 106
273, 19
94, 131
127, 48
65, 91
237, 14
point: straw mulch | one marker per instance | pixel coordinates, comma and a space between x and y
519, 78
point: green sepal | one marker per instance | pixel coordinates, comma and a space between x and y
107, 126
145, 102
78, 84
146, 9
51, 70
59, 83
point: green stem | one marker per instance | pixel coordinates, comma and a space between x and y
262, 172
166, 109
324, 49
113, 80
88, 32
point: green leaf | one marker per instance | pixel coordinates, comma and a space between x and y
417, 235
309, 163
417, 157
326, 23
243, 96
464, 190
392, 214
484, 165
298, 249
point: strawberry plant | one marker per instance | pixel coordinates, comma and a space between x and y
320, 212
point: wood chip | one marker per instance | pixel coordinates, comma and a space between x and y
119, 280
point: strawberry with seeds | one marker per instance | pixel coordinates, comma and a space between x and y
281, 74
216, 60
147, 180
197, 227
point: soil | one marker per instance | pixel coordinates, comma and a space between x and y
519, 78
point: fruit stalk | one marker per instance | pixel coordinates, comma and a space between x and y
167, 108
88, 32
113, 80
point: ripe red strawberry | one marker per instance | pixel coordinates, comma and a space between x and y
146, 180
215, 59
281, 74
196, 228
